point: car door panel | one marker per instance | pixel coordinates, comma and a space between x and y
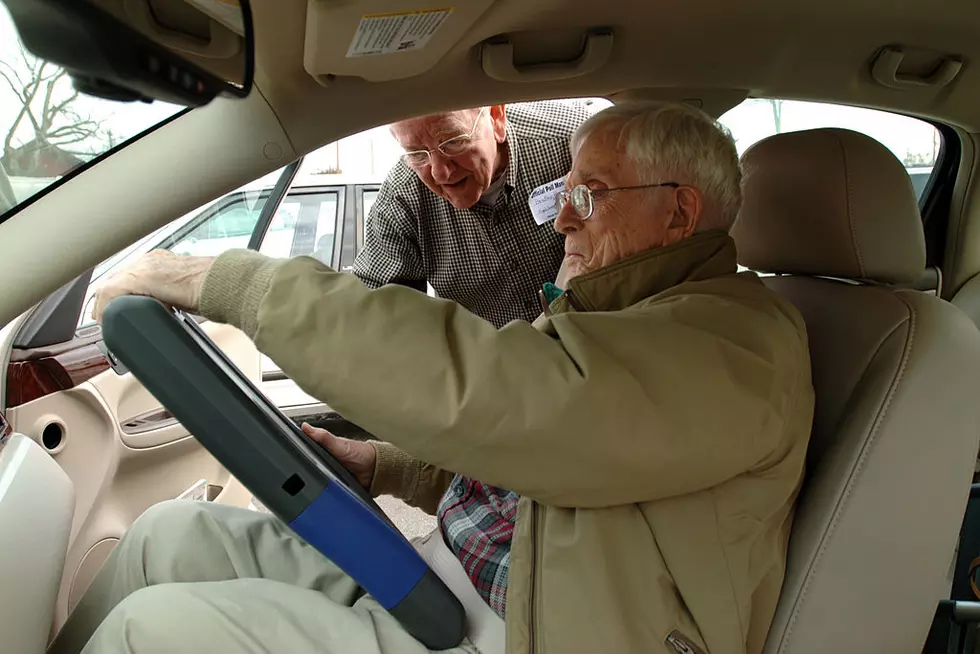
123, 453
122, 450
34, 374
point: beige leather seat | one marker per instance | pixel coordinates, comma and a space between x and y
37, 501
896, 374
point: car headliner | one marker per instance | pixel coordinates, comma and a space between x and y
711, 52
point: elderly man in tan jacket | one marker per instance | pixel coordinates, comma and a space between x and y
654, 421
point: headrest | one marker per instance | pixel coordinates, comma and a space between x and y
829, 202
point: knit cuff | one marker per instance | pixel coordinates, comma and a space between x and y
395, 473
234, 287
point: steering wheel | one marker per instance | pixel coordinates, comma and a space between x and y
293, 476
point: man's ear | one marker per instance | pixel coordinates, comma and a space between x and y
687, 212
498, 118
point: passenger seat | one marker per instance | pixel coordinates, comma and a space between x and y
833, 215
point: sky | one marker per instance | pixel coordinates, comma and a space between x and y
366, 157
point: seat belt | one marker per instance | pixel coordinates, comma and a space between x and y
968, 559
949, 635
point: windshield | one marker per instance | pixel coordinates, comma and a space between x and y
47, 129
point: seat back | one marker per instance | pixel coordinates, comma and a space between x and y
896, 425
36, 505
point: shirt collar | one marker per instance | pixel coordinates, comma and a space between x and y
513, 156
624, 283
489, 197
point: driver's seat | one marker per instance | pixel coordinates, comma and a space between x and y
896, 373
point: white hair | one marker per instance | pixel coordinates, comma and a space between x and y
670, 142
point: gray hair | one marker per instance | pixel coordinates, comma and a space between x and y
670, 142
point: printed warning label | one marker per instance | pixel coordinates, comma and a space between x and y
398, 32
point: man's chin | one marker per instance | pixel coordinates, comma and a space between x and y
462, 195
571, 267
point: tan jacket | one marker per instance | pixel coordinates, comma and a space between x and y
655, 426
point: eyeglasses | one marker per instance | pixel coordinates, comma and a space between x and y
450, 147
581, 197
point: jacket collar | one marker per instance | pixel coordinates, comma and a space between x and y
702, 256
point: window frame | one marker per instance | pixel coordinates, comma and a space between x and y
936, 200
360, 216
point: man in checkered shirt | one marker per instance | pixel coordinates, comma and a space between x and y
454, 213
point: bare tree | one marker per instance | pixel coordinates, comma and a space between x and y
46, 106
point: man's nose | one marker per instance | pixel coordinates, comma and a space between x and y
567, 221
441, 167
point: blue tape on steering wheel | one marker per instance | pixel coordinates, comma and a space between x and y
360, 542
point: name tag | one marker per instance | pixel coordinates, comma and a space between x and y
542, 201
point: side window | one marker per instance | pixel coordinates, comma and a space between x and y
916, 143
222, 224
305, 224
353, 167
231, 226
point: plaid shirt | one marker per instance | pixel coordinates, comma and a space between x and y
492, 259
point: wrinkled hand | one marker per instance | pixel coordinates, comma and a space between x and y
174, 279
357, 456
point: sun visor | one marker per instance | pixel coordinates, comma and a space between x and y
386, 39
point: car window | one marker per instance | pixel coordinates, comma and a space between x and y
229, 225
916, 143
361, 162
222, 224
48, 129
304, 224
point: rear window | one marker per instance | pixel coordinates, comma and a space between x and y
916, 143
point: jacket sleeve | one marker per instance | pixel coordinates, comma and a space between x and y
417, 483
619, 407
391, 250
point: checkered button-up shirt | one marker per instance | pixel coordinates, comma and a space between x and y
492, 259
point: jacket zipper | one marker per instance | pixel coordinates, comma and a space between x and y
545, 307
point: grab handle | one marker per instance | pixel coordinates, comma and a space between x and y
885, 71
498, 61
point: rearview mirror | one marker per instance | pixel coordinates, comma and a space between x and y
184, 52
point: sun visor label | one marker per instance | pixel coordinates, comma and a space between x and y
402, 31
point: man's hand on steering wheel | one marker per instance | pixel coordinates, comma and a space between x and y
174, 279
356, 456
